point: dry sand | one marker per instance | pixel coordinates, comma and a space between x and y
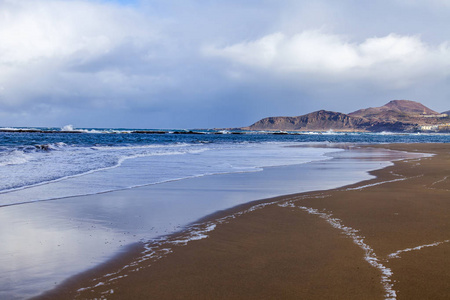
386, 238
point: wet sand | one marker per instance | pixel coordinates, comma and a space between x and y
384, 238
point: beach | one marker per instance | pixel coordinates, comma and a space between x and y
224, 150
383, 238
93, 201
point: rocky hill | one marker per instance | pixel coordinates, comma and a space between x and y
313, 121
395, 116
396, 110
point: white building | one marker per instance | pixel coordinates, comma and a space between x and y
429, 127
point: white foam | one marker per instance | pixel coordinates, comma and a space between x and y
67, 128
15, 157
369, 254
439, 181
397, 253
375, 184
159, 248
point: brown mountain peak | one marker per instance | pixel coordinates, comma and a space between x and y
408, 106
394, 110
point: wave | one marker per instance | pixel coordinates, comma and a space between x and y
21, 155
72, 170
59, 161
70, 129
14, 157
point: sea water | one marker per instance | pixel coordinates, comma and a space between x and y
50, 228
49, 155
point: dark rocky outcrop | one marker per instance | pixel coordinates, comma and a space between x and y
318, 120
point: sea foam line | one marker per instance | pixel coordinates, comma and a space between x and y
397, 253
379, 183
369, 254
439, 181
159, 248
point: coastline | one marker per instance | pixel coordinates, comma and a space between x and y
55, 240
257, 250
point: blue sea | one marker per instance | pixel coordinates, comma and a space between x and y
72, 198
48, 155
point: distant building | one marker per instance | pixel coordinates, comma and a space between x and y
435, 116
429, 127
438, 127
444, 127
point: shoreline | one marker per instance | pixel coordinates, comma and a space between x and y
54, 240
122, 285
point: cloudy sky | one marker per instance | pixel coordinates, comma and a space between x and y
209, 63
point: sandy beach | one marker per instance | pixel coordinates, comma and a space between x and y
384, 238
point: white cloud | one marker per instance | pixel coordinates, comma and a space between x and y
47, 44
393, 59
130, 58
33, 30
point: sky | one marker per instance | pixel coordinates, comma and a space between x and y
215, 64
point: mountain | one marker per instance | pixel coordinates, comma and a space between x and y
446, 112
395, 116
313, 121
395, 110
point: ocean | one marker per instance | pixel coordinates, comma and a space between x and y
30, 159
71, 199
